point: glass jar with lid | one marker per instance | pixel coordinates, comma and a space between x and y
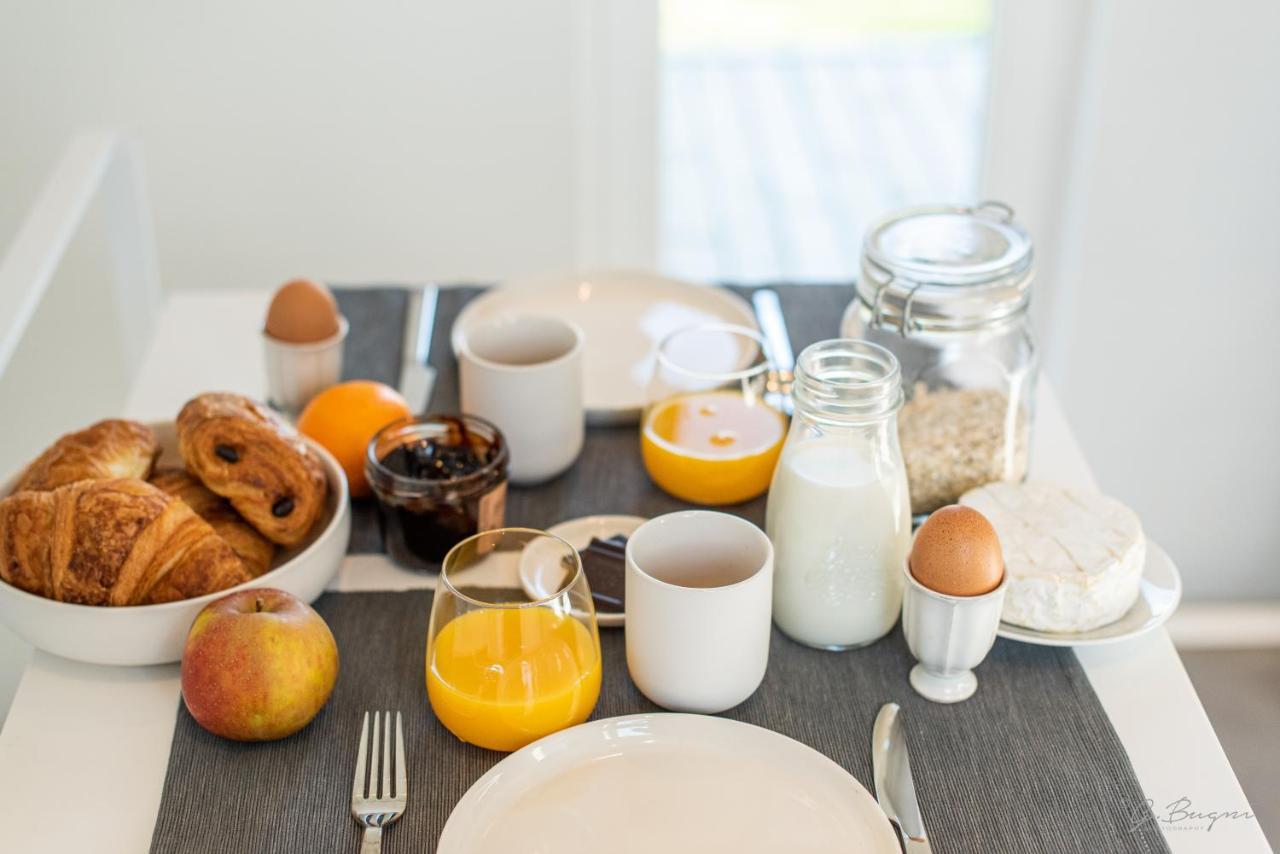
946, 289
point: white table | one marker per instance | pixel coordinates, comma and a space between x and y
84, 750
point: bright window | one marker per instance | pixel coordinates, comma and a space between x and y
788, 125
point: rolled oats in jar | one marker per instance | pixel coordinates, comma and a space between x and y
946, 289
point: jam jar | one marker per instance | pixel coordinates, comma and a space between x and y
945, 288
438, 479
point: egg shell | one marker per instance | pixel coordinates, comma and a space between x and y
302, 312
957, 553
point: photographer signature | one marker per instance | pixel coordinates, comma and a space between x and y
1179, 814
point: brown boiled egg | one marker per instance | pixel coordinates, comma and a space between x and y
302, 312
957, 553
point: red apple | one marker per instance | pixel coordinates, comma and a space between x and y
258, 665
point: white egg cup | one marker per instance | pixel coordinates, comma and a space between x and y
298, 372
949, 636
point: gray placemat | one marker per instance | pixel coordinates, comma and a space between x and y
372, 351
1029, 764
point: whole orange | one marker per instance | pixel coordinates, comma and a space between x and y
344, 418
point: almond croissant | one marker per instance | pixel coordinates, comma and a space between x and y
112, 542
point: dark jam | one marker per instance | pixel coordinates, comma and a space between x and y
428, 459
458, 491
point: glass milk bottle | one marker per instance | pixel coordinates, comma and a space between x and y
839, 515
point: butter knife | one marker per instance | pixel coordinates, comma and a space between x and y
417, 377
896, 792
773, 327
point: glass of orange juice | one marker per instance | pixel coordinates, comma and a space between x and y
707, 436
513, 652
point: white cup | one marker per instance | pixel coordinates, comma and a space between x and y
699, 594
949, 636
524, 373
298, 372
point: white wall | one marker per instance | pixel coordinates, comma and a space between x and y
1163, 286
351, 141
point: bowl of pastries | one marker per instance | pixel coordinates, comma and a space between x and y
114, 538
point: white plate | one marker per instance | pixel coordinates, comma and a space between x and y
1159, 593
156, 634
623, 316
668, 783
535, 575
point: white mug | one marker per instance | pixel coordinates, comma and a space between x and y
949, 636
298, 372
699, 594
524, 373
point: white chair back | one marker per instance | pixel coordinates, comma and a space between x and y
79, 295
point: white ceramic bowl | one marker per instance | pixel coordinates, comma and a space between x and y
156, 634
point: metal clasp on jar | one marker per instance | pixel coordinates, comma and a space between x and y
906, 323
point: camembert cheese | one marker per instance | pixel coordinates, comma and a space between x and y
1074, 560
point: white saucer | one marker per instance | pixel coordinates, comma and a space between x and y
669, 783
623, 316
1159, 593
537, 576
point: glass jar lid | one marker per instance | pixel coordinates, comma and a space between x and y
946, 267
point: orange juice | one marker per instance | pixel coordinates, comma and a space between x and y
714, 447
504, 677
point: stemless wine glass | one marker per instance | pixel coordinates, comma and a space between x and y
707, 435
504, 668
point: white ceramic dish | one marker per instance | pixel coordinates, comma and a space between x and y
1159, 593
669, 783
623, 316
538, 582
155, 634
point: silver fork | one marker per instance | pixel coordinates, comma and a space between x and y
378, 804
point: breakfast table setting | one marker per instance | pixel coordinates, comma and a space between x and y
602, 561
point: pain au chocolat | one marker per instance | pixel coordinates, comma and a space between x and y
112, 542
243, 452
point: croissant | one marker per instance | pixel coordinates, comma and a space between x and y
111, 542
109, 449
242, 452
255, 550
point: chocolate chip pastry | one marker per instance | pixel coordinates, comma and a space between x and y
243, 452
